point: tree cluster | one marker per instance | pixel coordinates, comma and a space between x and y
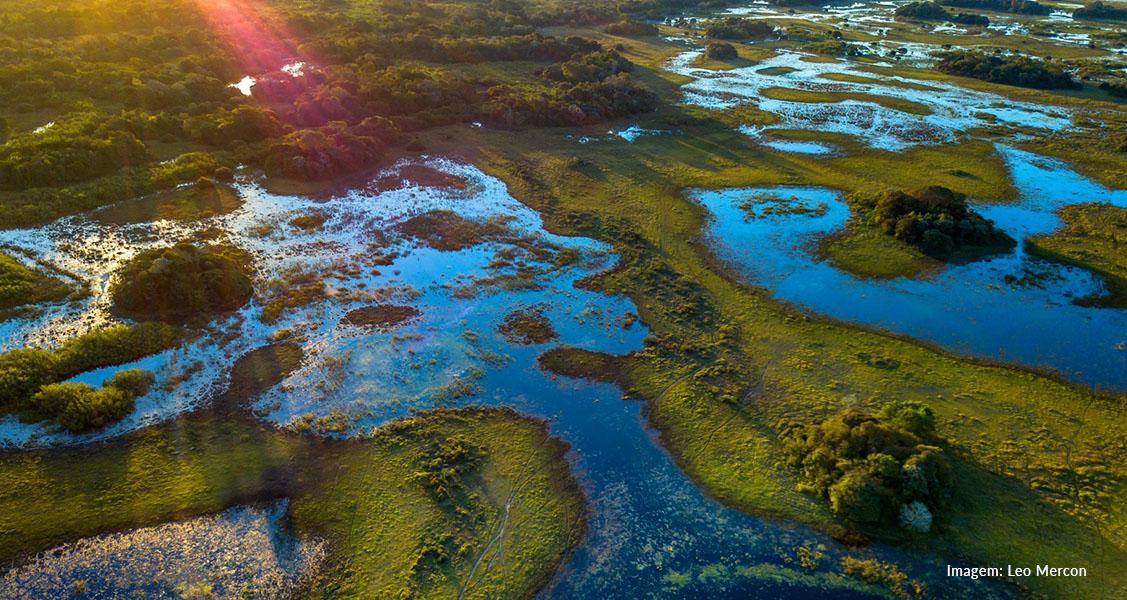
738, 29
1101, 11
1009, 69
875, 470
934, 11
182, 283
30, 377
1024, 7
935, 219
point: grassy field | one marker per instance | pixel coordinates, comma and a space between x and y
867, 252
513, 515
1094, 237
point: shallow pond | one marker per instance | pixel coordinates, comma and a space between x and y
652, 532
1011, 307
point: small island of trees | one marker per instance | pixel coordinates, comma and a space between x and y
181, 284
1009, 69
937, 220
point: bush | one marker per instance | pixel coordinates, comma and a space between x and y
79, 407
22, 373
113, 345
912, 415
181, 283
859, 498
135, 382
721, 51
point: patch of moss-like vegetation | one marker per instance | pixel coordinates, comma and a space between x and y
875, 470
528, 326
21, 285
381, 317
184, 283
1094, 236
1010, 69
30, 377
937, 221
447, 230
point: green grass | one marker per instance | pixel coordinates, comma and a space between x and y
1094, 237
867, 252
728, 363
361, 496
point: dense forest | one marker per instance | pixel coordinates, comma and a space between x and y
1100, 10
104, 99
933, 11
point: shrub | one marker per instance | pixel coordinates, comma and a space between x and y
16, 282
22, 373
912, 415
135, 382
113, 345
868, 467
181, 283
722, 51
79, 407
935, 219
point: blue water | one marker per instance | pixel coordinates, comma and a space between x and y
968, 308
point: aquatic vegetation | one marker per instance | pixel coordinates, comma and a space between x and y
381, 317
182, 283
528, 326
